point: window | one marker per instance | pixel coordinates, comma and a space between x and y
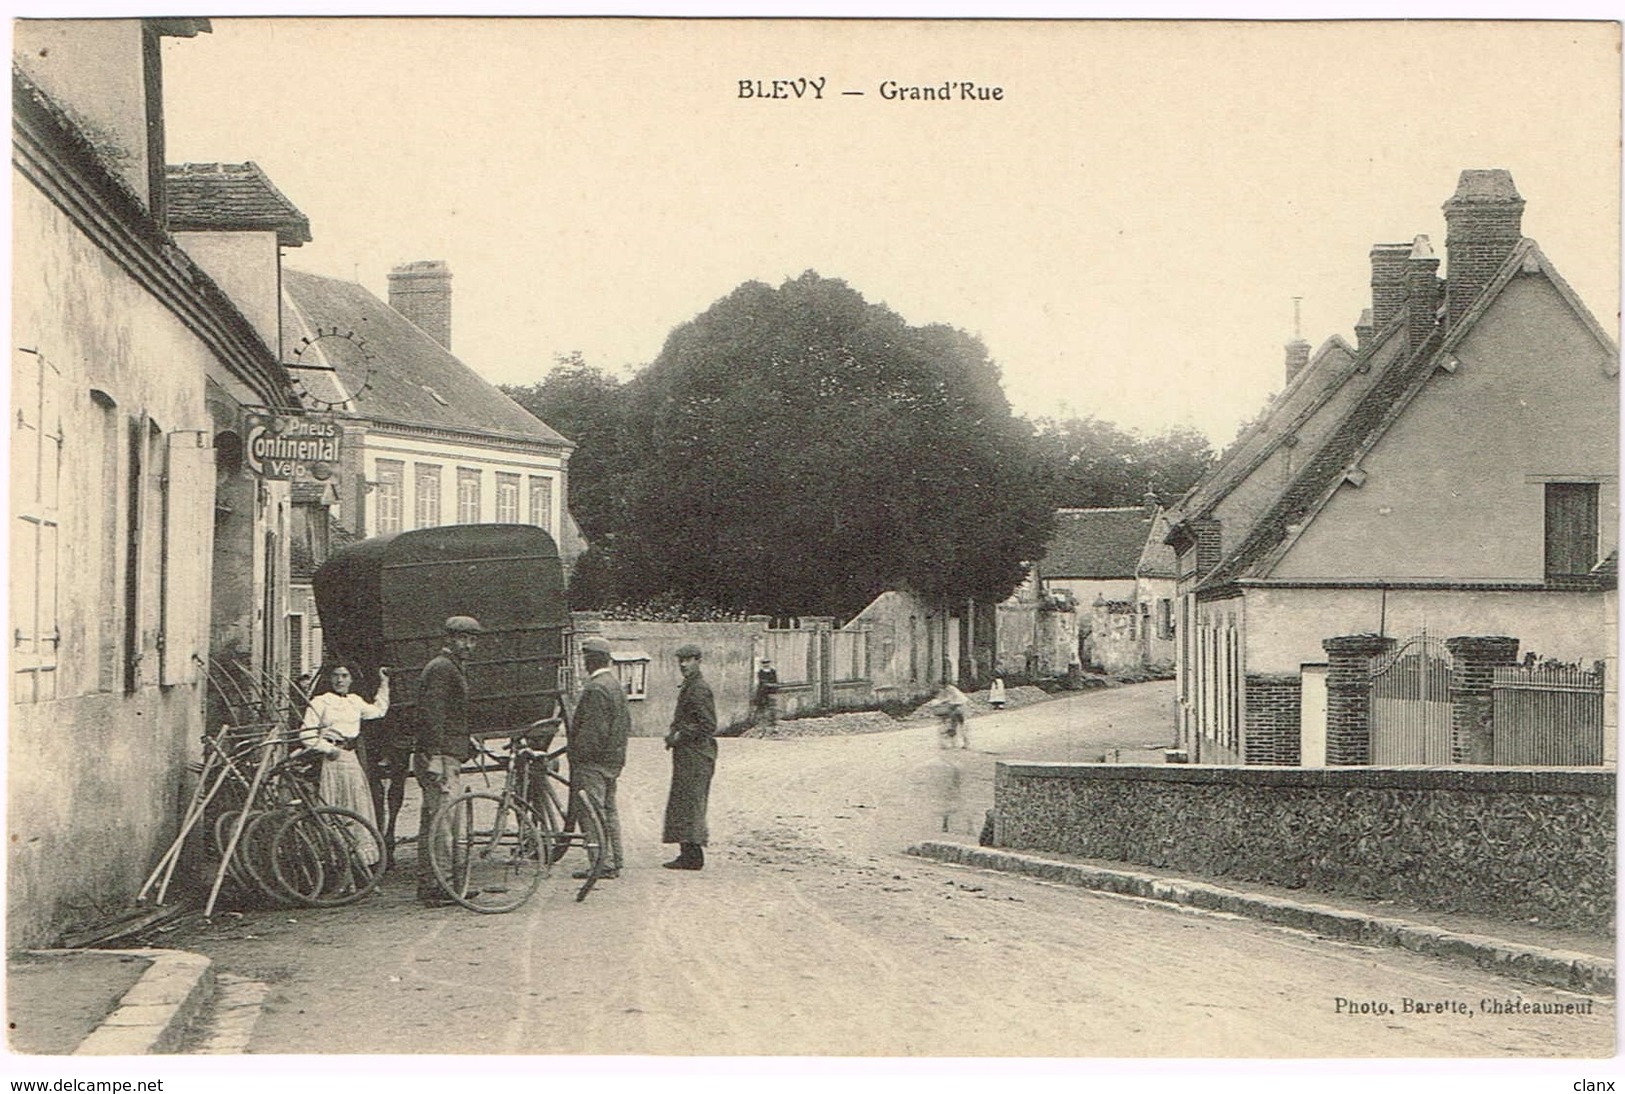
468, 495
387, 496
1571, 528
1165, 618
507, 498
36, 472
541, 501
426, 495
632, 670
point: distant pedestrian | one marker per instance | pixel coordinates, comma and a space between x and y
693, 744
765, 701
598, 736
995, 693
443, 743
951, 705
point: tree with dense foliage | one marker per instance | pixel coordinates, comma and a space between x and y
1089, 463
582, 402
800, 450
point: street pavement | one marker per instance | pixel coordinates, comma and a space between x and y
812, 932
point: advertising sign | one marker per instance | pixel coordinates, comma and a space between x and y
304, 448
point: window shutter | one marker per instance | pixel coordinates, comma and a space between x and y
188, 507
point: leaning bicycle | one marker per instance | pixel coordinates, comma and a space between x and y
491, 849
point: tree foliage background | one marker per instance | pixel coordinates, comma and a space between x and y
798, 450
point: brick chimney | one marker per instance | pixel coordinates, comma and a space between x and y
1364, 331
1388, 264
1422, 285
1297, 356
421, 291
1483, 222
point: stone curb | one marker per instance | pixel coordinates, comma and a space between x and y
153, 1015
1567, 969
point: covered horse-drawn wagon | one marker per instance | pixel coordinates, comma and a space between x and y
384, 601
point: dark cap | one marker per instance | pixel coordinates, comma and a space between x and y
595, 645
463, 624
690, 650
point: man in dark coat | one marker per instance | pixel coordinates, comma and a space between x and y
443, 742
598, 746
693, 743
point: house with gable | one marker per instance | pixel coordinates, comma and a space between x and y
1156, 580
1092, 561
137, 548
1454, 475
426, 441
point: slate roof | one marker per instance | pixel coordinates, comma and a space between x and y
230, 197
408, 377
1095, 543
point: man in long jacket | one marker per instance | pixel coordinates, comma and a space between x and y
598, 746
443, 743
693, 743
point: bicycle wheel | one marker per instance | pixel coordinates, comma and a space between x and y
589, 820
327, 856
487, 851
254, 854
550, 818
224, 825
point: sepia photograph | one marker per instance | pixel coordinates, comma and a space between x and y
653, 541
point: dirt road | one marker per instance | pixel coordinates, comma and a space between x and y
810, 933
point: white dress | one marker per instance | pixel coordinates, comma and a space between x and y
333, 727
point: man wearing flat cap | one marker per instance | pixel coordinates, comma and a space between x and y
693, 743
598, 735
443, 742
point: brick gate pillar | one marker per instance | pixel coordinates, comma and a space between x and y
1348, 696
1472, 701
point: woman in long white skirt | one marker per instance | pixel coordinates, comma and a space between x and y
333, 728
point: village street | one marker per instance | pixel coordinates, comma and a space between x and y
811, 933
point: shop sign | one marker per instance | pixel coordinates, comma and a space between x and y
304, 448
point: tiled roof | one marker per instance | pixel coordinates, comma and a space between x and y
1328, 370
1365, 423
409, 378
1096, 543
230, 197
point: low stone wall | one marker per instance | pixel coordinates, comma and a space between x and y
1520, 843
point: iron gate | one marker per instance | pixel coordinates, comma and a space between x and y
1548, 715
1410, 703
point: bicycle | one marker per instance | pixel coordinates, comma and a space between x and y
293, 848
491, 850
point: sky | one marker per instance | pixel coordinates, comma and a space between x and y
1126, 227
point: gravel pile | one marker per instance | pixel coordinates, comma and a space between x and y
831, 725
